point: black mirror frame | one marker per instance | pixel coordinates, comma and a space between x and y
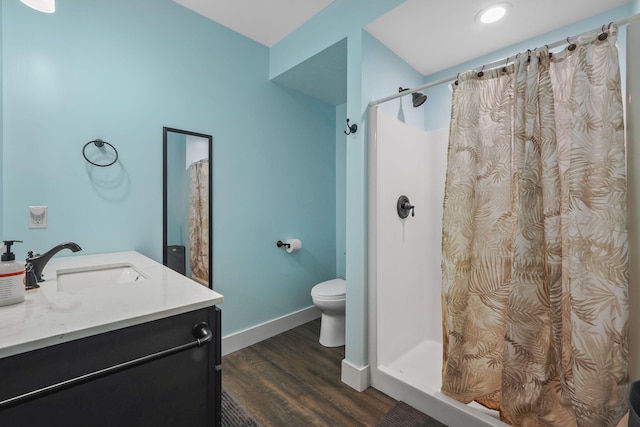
165, 131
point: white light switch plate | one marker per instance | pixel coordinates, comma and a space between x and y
37, 217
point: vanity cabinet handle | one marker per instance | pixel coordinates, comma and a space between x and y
200, 331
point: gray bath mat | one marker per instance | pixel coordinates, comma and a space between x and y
234, 415
403, 415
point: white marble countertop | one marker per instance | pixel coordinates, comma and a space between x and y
52, 315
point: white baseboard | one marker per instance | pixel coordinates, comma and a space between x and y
355, 377
250, 336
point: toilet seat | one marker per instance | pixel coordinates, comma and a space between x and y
330, 290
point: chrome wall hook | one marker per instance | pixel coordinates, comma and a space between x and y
352, 128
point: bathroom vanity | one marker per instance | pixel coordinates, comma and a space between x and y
111, 339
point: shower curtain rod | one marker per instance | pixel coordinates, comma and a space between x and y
500, 62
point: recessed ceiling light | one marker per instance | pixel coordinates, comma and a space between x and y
493, 13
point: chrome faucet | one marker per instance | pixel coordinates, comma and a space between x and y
36, 263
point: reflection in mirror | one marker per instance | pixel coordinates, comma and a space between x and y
187, 203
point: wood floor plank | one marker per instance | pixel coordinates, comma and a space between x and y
292, 380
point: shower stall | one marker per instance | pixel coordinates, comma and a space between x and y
405, 315
405, 300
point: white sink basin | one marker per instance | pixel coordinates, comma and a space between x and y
73, 279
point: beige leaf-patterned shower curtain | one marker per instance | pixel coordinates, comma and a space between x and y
199, 220
535, 293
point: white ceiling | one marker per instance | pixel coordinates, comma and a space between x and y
265, 21
434, 35
429, 35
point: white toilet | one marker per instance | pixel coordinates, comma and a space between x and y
330, 298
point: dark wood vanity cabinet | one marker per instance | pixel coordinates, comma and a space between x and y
178, 388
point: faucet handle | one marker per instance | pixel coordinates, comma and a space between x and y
32, 280
30, 254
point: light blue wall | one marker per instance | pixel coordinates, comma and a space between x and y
341, 191
114, 70
383, 73
338, 20
356, 352
323, 76
345, 19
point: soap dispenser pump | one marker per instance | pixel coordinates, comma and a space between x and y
12, 278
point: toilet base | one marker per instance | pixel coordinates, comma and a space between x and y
332, 330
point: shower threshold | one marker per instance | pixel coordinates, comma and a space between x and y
421, 368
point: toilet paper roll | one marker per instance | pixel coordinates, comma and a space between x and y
294, 245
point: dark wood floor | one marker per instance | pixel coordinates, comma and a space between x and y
291, 380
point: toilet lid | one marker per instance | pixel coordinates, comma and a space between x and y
330, 288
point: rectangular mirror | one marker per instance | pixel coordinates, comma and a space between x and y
187, 206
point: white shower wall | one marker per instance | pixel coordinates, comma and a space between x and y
411, 162
633, 170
